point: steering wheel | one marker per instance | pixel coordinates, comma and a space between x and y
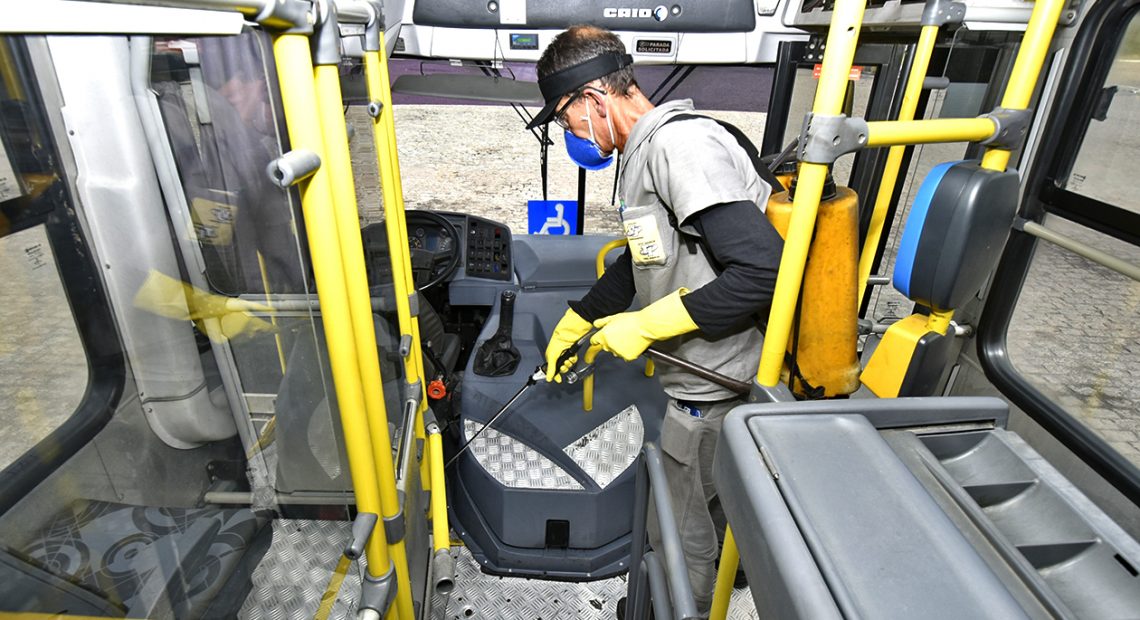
433, 247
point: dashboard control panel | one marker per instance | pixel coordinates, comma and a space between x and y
488, 252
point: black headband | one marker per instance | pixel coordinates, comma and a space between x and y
567, 80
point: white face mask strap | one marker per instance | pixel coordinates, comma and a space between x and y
609, 123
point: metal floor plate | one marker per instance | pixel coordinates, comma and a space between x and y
478, 595
296, 571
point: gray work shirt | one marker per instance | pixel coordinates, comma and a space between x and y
689, 165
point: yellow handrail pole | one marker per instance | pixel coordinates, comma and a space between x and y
347, 218
724, 579
397, 248
600, 259
911, 94
299, 99
441, 533
393, 160
842, 36
1026, 68
894, 133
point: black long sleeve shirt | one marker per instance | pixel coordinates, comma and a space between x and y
746, 251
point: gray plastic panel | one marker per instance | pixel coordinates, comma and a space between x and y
1087, 560
842, 528
477, 87
690, 16
547, 261
506, 527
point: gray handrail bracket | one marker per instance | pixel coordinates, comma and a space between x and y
362, 528
826, 138
378, 593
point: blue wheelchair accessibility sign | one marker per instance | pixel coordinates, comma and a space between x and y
552, 217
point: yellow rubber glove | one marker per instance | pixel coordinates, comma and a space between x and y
567, 332
627, 335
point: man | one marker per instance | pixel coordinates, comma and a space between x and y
702, 259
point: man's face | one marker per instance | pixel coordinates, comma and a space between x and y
580, 110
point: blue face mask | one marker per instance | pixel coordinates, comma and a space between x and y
586, 153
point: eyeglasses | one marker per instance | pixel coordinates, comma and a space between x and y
560, 115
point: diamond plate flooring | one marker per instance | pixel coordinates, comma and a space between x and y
291, 580
296, 571
478, 595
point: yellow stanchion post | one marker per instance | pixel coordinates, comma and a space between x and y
346, 215
724, 579
393, 160
840, 51
911, 94
842, 37
1026, 68
299, 98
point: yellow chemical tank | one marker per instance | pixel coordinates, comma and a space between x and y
828, 333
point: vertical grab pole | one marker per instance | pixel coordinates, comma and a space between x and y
840, 51
384, 138
338, 161
842, 37
911, 93
299, 99
1026, 68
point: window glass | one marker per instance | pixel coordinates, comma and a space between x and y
42, 364
41, 359
1106, 163
1073, 335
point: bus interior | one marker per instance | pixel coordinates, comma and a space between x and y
263, 360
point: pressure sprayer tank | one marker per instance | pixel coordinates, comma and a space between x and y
828, 334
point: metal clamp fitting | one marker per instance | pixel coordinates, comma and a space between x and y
1010, 128
415, 393
431, 423
394, 526
326, 41
778, 393
293, 167
414, 303
375, 108
378, 594
405, 345
362, 528
942, 12
824, 139
374, 27
290, 16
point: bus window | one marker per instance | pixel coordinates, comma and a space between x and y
1107, 158
1073, 335
42, 361
41, 358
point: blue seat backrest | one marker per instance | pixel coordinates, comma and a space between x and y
954, 233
